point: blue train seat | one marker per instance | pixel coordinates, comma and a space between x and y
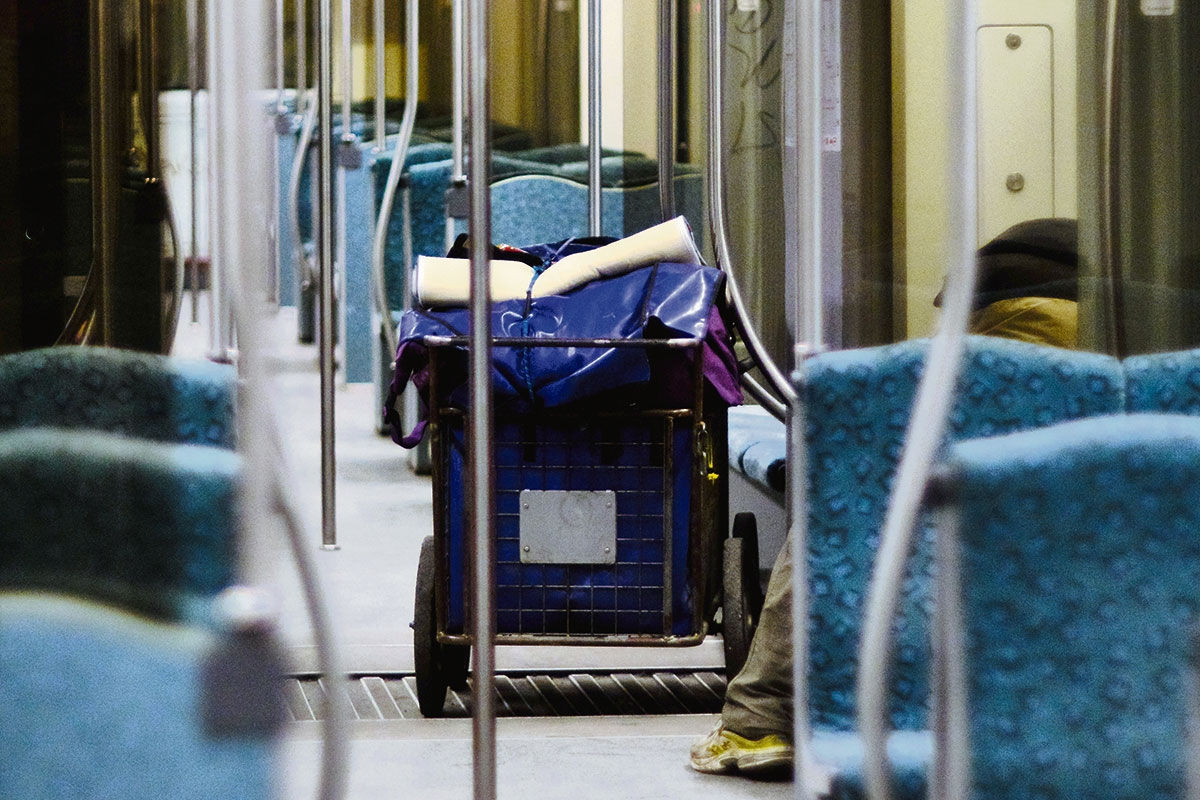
1075, 582
1163, 382
147, 525
100, 703
144, 395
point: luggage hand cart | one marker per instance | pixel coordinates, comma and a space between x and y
611, 515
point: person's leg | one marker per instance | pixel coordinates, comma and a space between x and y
755, 733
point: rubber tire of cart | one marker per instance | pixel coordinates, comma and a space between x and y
431, 674
742, 591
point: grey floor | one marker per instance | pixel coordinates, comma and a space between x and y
383, 513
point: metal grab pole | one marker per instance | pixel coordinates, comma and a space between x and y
193, 263
595, 196
457, 81
932, 405
379, 244
667, 43
302, 8
280, 80
780, 386
803, 195
325, 255
482, 488
347, 70
380, 38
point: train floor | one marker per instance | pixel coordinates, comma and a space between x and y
581, 721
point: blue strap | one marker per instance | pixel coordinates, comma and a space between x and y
525, 355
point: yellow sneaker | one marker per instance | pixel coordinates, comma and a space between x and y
724, 751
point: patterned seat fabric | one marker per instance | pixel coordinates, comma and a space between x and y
1080, 587
137, 394
1166, 382
143, 524
858, 406
99, 703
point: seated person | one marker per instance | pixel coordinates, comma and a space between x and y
1026, 290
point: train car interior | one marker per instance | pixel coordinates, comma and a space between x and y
556, 398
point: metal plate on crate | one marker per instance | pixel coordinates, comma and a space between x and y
568, 527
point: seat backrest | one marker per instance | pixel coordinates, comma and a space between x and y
145, 395
1076, 580
95, 702
144, 524
858, 404
1164, 382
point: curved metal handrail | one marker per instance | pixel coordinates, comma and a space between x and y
931, 408
307, 126
777, 382
379, 243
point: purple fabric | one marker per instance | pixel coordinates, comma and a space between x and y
661, 301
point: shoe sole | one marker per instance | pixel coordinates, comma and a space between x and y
760, 765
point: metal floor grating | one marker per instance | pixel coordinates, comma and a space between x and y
378, 698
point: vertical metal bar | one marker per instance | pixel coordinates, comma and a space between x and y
797, 540
802, 154
668, 495
482, 424
380, 11
325, 234
105, 144
193, 17
458, 80
280, 35
667, 44
1110, 266
934, 397
595, 196
347, 69
302, 84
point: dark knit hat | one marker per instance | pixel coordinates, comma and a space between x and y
1035, 258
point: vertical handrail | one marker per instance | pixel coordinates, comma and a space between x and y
667, 44
481, 423
382, 223
280, 80
595, 196
236, 40
935, 394
379, 11
457, 81
324, 196
803, 187
1110, 266
193, 34
779, 385
347, 6
302, 99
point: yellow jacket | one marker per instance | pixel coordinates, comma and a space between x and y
1041, 320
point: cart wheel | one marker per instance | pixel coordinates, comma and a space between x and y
745, 527
432, 679
742, 592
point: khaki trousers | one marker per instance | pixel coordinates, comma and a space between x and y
758, 701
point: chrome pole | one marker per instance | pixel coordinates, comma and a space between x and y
458, 79
193, 15
931, 407
481, 422
595, 196
241, 181
667, 43
380, 37
347, 69
302, 84
325, 254
279, 37
803, 194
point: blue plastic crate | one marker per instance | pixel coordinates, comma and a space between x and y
646, 459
